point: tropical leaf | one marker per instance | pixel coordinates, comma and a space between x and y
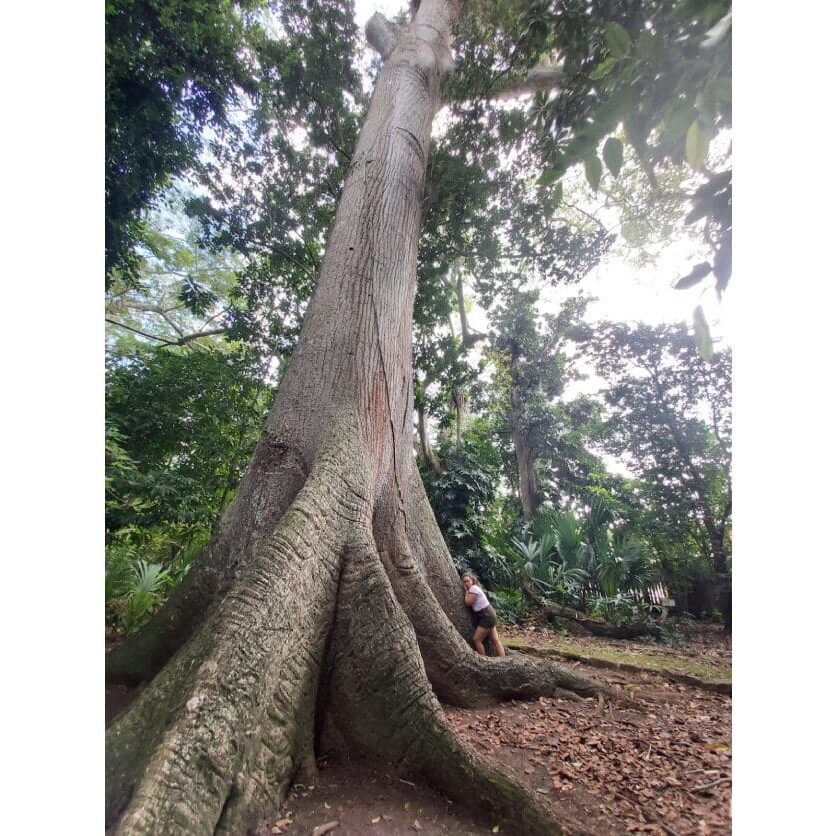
703, 334
593, 169
696, 145
617, 39
603, 69
613, 155
699, 272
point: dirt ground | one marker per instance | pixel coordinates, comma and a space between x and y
659, 764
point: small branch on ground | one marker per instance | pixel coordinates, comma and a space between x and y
711, 784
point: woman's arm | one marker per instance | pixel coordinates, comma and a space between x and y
469, 598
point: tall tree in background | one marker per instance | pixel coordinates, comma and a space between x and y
327, 611
670, 416
531, 371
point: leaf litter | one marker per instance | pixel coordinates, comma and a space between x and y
659, 764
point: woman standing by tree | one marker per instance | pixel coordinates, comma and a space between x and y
485, 614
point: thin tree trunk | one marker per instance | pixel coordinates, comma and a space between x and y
426, 445
469, 338
527, 475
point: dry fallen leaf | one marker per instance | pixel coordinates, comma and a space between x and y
325, 828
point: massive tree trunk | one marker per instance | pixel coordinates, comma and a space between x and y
326, 614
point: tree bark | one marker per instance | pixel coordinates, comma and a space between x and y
326, 614
527, 475
426, 445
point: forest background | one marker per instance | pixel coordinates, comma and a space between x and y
53, 360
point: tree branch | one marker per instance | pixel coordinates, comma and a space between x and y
187, 338
382, 34
543, 77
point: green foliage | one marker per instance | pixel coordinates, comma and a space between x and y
659, 68
712, 204
593, 170
133, 587
142, 565
172, 69
613, 155
532, 364
178, 291
621, 609
510, 605
538, 561
669, 418
187, 421
463, 498
591, 552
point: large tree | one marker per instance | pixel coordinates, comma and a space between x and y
326, 614
531, 371
669, 417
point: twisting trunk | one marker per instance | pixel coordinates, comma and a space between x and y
328, 583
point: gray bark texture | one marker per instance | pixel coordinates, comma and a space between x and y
529, 498
326, 614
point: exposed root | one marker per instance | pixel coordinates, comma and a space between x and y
384, 707
313, 625
458, 674
226, 726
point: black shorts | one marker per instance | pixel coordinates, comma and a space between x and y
486, 618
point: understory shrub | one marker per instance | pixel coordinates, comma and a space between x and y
141, 569
510, 605
621, 609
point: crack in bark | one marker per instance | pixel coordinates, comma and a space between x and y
415, 142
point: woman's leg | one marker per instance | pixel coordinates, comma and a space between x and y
479, 638
500, 650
